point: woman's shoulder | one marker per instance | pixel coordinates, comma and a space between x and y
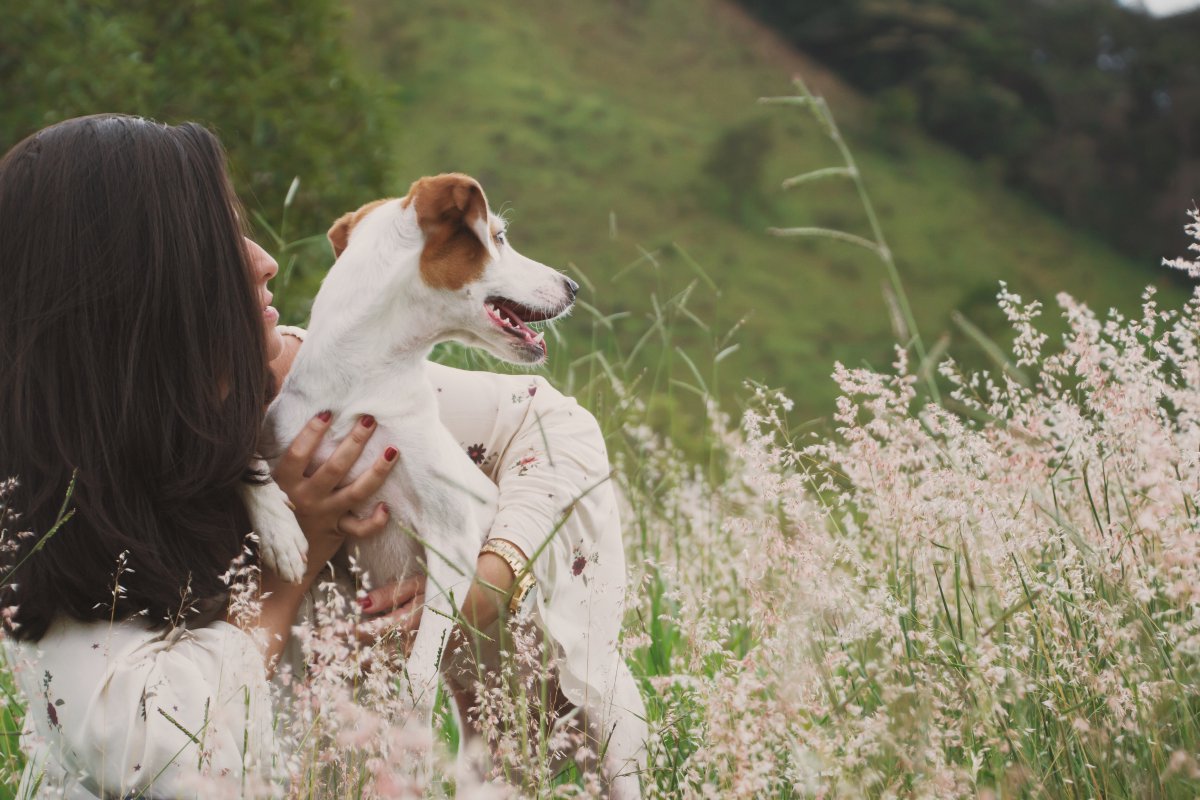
295, 331
81, 652
165, 684
66, 632
69, 639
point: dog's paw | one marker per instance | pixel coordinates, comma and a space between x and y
284, 548
282, 543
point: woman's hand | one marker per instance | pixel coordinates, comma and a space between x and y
322, 509
393, 609
396, 608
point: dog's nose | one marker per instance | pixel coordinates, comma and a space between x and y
572, 287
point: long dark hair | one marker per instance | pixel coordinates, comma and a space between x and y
132, 356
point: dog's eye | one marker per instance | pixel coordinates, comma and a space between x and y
499, 237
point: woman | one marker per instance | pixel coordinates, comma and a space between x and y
136, 334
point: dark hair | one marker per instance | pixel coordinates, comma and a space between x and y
133, 356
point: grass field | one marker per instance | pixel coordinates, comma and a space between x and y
626, 142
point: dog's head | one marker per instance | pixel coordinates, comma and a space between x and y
466, 282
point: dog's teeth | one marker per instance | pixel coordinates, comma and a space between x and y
537, 339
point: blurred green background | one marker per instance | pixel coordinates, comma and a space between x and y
1050, 145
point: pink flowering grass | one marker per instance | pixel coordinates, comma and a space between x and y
983, 585
979, 583
994, 595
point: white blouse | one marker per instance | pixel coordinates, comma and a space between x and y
114, 708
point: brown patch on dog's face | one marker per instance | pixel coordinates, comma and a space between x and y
339, 234
451, 209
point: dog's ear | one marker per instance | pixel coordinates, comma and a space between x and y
452, 212
339, 234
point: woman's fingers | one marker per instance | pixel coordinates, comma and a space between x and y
364, 527
334, 471
320, 506
300, 452
366, 485
393, 596
394, 610
401, 623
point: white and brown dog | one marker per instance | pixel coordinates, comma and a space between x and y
412, 272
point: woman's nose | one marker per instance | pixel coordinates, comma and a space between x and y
264, 266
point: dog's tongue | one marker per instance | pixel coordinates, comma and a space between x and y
518, 326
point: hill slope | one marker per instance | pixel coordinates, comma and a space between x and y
619, 131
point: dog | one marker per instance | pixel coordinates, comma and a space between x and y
411, 272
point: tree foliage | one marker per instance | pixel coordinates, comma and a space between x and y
1088, 106
273, 79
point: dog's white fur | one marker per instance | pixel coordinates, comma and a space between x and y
397, 289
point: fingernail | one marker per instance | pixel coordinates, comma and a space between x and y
365, 602
390, 454
325, 416
367, 420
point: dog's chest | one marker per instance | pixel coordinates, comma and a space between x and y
434, 490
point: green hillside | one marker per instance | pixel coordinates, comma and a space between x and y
621, 136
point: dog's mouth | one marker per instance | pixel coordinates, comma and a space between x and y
513, 318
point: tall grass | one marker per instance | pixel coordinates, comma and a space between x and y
980, 583
992, 595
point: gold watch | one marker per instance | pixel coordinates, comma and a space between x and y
520, 567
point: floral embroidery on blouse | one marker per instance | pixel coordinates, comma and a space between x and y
480, 457
526, 464
579, 563
521, 397
51, 705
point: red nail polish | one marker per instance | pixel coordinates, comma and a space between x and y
390, 454
367, 420
365, 602
325, 416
